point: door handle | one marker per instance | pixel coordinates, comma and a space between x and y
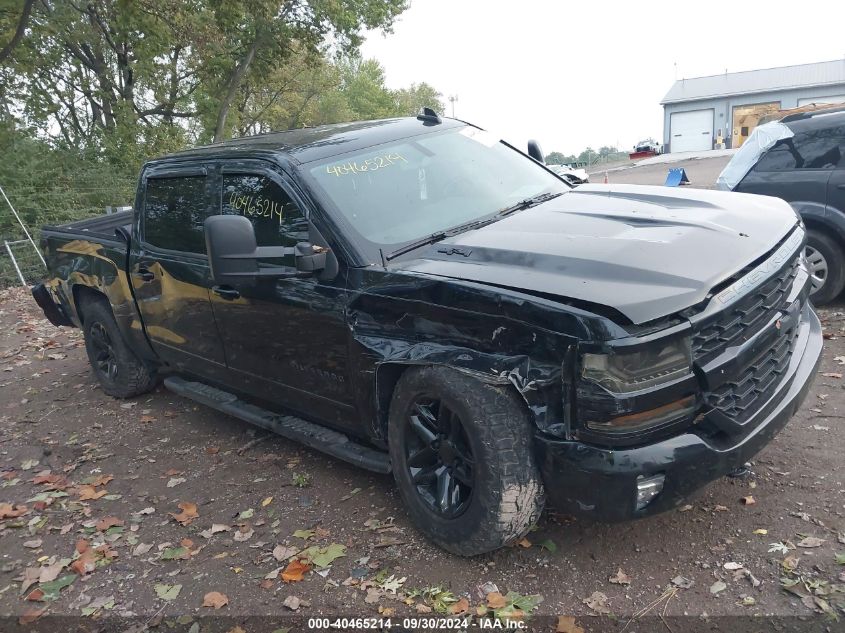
144, 274
227, 293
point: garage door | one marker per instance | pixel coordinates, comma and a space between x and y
833, 99
691, 131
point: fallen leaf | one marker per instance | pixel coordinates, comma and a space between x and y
566, 624
748, 501
524, 542
175, 553
597, 601
50, 590
790, 563
295, 571
304, 534
292, 603
717, 587
98, 480
146, 419
832, 374
141, 549
168, 592
620, 578
108, 522
89, 493
461, 606
33, 544
761, 532
31, 575
323, 556
373, 595
8, 511
496, 600
243, 533
215, 599
682, 582
283, 552
50, 572
30, 615
733, 566
266, 502
175, 481
214, 529
188, 514
810, 541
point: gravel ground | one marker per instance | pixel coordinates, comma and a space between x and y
145, 508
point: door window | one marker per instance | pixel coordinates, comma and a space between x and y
816, 149
277, 219
174, 212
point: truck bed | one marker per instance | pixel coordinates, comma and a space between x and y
101, 227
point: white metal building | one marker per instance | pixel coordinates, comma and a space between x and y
697, 112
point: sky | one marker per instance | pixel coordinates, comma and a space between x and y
577, 73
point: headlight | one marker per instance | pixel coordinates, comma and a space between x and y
649, 365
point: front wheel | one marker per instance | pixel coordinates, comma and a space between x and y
462, 458
826, 266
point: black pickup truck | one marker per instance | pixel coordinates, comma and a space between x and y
419, 298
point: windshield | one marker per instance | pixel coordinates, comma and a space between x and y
403, 191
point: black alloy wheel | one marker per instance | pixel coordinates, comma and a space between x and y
105, 361
118, 370
439, 458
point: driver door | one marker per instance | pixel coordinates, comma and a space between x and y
285, 340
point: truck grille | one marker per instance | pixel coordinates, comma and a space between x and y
740, 399
745, 317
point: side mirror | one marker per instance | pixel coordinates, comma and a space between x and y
535, 152
233, 253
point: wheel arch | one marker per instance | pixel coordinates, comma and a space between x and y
388, 374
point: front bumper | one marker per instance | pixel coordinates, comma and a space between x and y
601, 483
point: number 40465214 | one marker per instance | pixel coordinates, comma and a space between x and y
371, 164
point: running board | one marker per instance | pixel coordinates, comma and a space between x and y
307, 433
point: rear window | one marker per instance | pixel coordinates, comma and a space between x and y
816, 149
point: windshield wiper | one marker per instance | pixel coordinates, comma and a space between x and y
533, 201
423, 241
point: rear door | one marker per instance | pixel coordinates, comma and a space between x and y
836, 184
796, 169
170, 272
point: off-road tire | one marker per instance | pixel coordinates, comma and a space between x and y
133, 377
507, 495
832, 252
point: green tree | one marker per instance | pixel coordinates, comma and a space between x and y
126, 76
558, 158
410, 100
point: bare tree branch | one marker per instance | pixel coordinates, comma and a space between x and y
19, 32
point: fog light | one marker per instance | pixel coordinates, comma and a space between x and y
648, 488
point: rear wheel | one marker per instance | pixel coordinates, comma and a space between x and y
462, 459
120, 373
826, 266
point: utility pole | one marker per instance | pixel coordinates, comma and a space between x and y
452, 100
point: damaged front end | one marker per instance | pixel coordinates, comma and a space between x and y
659, 416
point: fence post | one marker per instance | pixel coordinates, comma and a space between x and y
15, 264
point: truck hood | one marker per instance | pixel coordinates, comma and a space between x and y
647, 252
